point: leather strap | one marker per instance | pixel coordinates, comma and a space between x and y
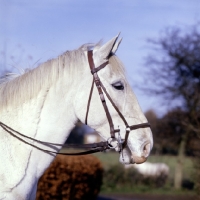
93, 148
89, 100
98, 85
101, 87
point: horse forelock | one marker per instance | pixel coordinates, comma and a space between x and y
116, 65
16, 89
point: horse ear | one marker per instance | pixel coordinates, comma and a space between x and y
110, 47
116, 45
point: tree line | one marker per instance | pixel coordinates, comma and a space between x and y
173, 73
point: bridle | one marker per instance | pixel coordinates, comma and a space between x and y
94, 147
101, 90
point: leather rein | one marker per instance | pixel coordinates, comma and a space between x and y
94, 147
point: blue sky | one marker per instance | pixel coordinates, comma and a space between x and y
34, 31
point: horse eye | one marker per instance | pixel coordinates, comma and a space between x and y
118, 86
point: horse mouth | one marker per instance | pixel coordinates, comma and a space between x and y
137, 159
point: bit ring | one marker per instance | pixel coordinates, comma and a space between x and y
110, 140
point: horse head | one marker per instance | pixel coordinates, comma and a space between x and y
121, 102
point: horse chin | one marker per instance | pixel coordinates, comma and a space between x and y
127, 157
124, 160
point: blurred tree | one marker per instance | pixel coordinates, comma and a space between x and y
174, 70
167, 131
153, 120
77, 134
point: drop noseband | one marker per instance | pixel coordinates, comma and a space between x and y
90, 148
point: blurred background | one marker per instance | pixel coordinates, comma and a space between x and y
161, 53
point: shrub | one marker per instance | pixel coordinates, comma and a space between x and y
71, 177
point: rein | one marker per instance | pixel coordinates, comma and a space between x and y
94, 147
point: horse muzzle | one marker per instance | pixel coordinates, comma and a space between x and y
138, 156
141, 156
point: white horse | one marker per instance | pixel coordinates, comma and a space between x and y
151, 169
46, 102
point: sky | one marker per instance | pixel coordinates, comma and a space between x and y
34, 31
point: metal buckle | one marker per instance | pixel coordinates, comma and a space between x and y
110, 140
120, 142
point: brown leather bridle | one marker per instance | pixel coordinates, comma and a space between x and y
94, 147
101, 90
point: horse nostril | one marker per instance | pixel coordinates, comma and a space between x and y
146, 150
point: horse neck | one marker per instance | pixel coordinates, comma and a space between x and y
48, 117
56, 117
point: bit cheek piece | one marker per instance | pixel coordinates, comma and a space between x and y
112, 142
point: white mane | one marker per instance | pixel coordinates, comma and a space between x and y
10, 76
18, 88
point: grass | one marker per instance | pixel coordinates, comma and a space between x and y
146, 190
110, 159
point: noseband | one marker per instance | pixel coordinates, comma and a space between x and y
94, 147
101, 90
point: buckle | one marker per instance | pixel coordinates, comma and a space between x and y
120, 142
110, 140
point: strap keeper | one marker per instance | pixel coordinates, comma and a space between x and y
128, 129
93, 71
